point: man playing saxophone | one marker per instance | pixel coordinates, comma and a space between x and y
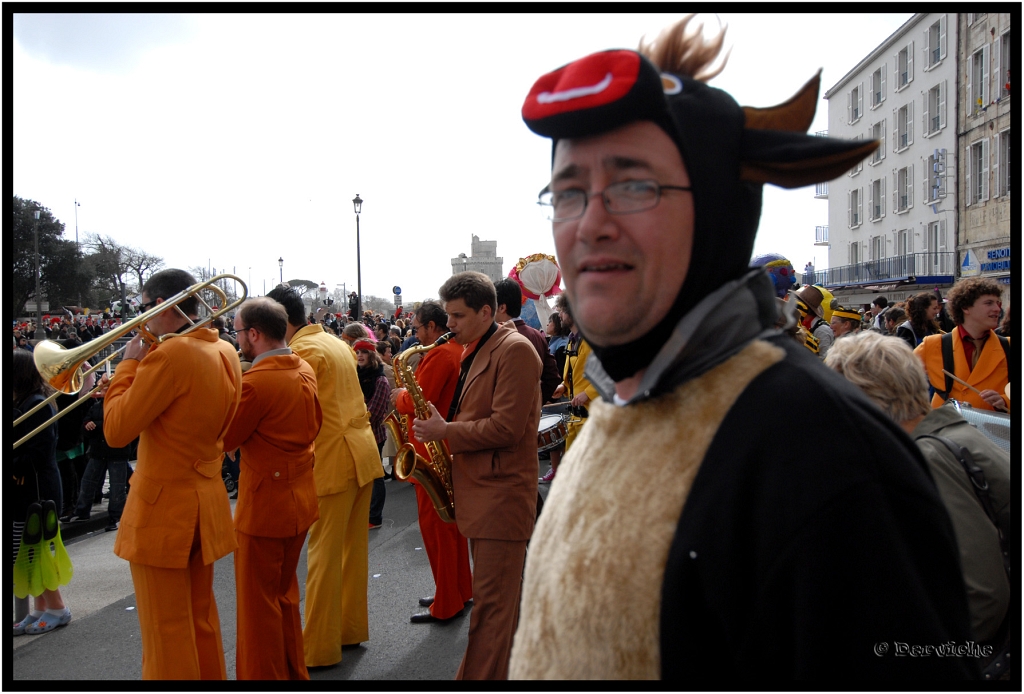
493, 437
437, 374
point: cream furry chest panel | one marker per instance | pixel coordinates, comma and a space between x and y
592, 591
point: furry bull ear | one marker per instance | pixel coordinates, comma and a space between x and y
794, 115
792, 160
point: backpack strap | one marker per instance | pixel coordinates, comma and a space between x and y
980, 485
946, 344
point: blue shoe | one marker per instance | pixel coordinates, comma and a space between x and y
19, 628
49, 622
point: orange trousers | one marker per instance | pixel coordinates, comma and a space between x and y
269, 645
497, 585
448, 554
179, 621
338, 575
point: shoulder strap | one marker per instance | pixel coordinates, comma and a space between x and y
980, 485
946, 343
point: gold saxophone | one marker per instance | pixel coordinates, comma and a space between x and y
434, 474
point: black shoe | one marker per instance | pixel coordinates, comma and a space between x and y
427, 602
426, 617
110, 527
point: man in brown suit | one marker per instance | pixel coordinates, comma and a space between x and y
276, 424
492, 435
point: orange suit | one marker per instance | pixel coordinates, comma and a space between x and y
277, 422
989, 373
347, 462
179, 399
447, 550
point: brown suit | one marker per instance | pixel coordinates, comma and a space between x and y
276, 425
493, 439
177, 521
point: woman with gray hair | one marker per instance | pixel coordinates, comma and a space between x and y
891, 375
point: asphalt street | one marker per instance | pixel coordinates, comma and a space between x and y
102, 641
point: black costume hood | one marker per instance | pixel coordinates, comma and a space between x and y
729, 152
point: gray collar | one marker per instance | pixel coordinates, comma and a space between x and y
722, 324
284, 351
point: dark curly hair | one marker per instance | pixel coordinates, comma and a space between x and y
965, 292
917, 310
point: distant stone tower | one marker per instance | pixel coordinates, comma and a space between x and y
483, 258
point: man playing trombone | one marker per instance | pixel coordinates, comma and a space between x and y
180, 395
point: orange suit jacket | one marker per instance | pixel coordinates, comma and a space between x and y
179, 400
990, 373
276, 425
493, 440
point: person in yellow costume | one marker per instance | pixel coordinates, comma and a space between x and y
574, 384
346, 463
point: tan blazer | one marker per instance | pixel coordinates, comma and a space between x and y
493, 440
277, 422
181, 398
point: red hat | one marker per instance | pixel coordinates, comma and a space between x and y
365, 343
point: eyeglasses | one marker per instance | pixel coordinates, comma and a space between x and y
625, 197
151, 304
415, 328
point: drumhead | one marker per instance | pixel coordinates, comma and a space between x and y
548, 421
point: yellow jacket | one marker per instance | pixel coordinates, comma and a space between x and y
577, 364
345, 447
181, 399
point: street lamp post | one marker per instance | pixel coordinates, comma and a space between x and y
357, 203
39, 334
280, 267
78, 249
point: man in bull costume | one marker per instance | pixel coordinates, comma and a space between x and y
676, 542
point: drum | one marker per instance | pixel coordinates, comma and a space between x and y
994, 425
550, 432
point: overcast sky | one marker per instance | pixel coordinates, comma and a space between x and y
231, 140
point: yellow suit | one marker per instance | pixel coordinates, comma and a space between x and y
180, 400
347, 462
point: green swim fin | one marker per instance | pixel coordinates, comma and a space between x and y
27, 574
56, 568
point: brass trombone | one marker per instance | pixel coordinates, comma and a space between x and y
62, 368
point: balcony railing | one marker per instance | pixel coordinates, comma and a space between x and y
897, 268
821, 190
821, 235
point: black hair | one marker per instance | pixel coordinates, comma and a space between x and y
431, 312
286, 296
511, 294
167, 283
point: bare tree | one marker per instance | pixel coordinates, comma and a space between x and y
142, 264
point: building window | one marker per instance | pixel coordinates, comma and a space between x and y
876, 193
935, 109
977, 81
935, 236
878, 133
1003, 162
855, 104
855, 207
878, 87
935, 43
976, 183
1004, 66
859, 166
877, 248
903, 189
854, 253
905, 66
904, 129
904, 242
935, 176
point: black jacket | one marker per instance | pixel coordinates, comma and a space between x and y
95, 443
